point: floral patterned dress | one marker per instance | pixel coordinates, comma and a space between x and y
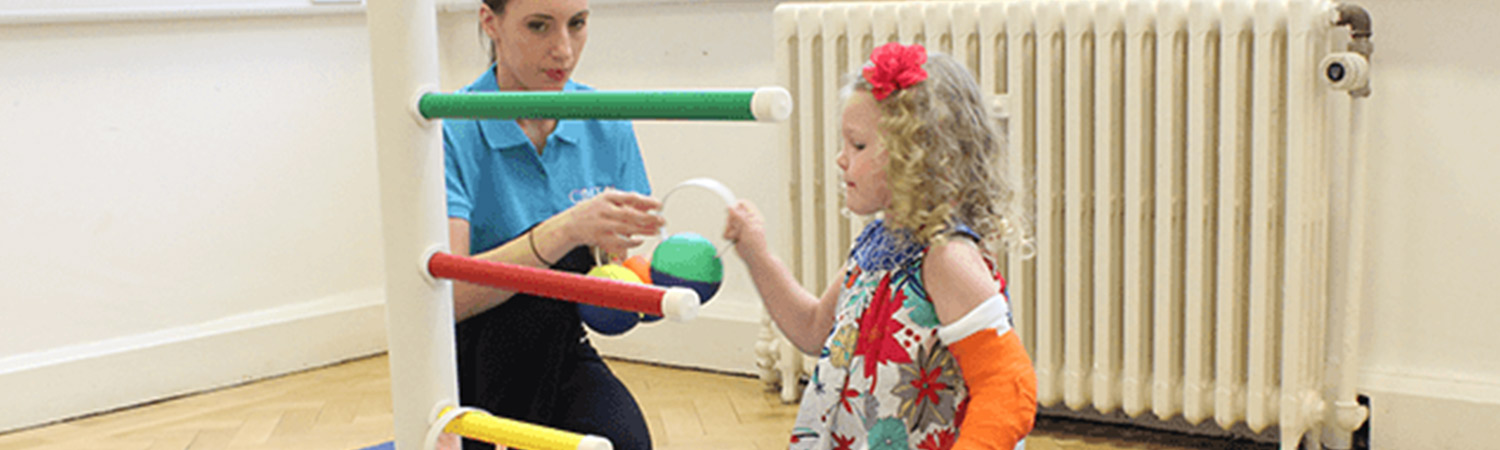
883, 380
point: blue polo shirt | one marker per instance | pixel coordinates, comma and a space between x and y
498, 182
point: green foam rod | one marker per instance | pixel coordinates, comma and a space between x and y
764, 104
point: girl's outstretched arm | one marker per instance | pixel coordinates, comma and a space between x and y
976, 328
806, 320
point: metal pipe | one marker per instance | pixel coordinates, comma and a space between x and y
1347, 413
1357, 19
1360, 30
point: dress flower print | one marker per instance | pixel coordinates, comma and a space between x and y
882, 381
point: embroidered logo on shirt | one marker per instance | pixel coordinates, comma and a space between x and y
581, 194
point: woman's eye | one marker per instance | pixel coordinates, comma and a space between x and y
576, 23
537, 26
859, 146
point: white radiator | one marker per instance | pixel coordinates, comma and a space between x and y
1186, 165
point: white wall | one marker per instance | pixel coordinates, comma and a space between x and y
1431, 360
221, 178
190, 201
184, 204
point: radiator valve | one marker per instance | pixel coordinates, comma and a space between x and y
1346, 71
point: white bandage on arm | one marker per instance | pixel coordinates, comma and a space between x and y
993, 313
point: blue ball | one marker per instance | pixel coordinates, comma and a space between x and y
610, 321
607, 321
705, 289
647, 318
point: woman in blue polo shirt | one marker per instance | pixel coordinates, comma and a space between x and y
541, 193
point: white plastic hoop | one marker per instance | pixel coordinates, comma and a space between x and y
706, 183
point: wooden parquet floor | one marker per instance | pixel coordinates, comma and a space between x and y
347, 406
344, 406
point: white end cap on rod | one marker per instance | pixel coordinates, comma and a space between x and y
592, 442
771, 104
423, 265
415, 105
444, 412
680, 304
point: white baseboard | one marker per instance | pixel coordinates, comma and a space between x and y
1404, 421
1431, 385
1424, 411
62, 383
722, 339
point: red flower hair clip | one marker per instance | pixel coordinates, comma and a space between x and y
894, 67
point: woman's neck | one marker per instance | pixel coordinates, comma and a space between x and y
537, 130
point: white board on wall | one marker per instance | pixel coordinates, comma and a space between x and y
28, 12
31, 12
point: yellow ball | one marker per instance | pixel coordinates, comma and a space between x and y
615, 272
606, 320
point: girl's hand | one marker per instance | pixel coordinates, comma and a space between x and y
611, 220
746, 229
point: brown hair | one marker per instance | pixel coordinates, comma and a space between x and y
498, 7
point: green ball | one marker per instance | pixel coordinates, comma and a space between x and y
690, 261
688, 256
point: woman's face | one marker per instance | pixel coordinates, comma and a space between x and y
537, 42
862, 157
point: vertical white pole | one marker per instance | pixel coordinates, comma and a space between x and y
419, 313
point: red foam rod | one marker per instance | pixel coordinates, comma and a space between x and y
572, 287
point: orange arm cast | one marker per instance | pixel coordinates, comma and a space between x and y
1002, 390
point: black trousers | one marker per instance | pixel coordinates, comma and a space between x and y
528, 360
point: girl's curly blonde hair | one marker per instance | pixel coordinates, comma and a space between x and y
945, 159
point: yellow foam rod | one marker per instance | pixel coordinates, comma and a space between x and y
522, 435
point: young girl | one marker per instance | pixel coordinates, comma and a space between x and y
914, 343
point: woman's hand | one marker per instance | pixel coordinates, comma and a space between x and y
746, 229
611, 220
